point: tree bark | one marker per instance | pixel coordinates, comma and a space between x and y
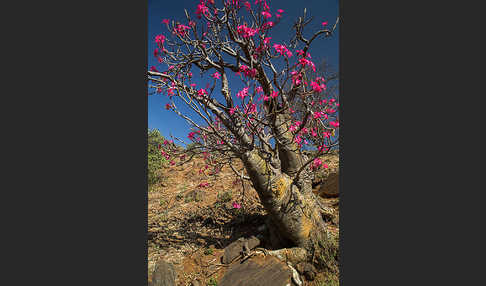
295, 218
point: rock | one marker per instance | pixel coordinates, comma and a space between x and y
234, 249
164, 274
258, 271
307, 269
330, 187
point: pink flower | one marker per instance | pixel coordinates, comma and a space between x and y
304, 62
245, 31
334, 124
172, 163
191, 135
318, 87
168, 106
266, 14
282, 49
248, 6
243, 93
201, 9
274, 94
259, 89
316, 163
236, 205
324, 23
267, 25
232, 110
154, 69
204, 184
181, 30
202, 92
216, 75
280, 11
298, 139
160, 39
165, 21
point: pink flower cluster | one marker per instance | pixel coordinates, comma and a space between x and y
201, 9
294, 127
305, 62
181, 30
282, 50
334, 124
202, 92
160, 39
318, 87
247, 71
266, 14
296, 78
319, 114
242, 93
246, 31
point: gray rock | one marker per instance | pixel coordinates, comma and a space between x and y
164, 274
234, 249
258, 271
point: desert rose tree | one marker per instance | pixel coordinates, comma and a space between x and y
231, 42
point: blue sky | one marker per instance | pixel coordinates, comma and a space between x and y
328, 49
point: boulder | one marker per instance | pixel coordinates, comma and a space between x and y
326, 181
330, 187
235, 248
164, 274
258, 271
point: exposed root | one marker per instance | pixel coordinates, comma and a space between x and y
293, 255
295, 275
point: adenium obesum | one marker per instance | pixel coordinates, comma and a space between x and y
248, 76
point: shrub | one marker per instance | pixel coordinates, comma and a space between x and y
155, 158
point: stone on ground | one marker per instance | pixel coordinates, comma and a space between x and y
258, 271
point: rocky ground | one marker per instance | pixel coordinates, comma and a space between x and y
190, 224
